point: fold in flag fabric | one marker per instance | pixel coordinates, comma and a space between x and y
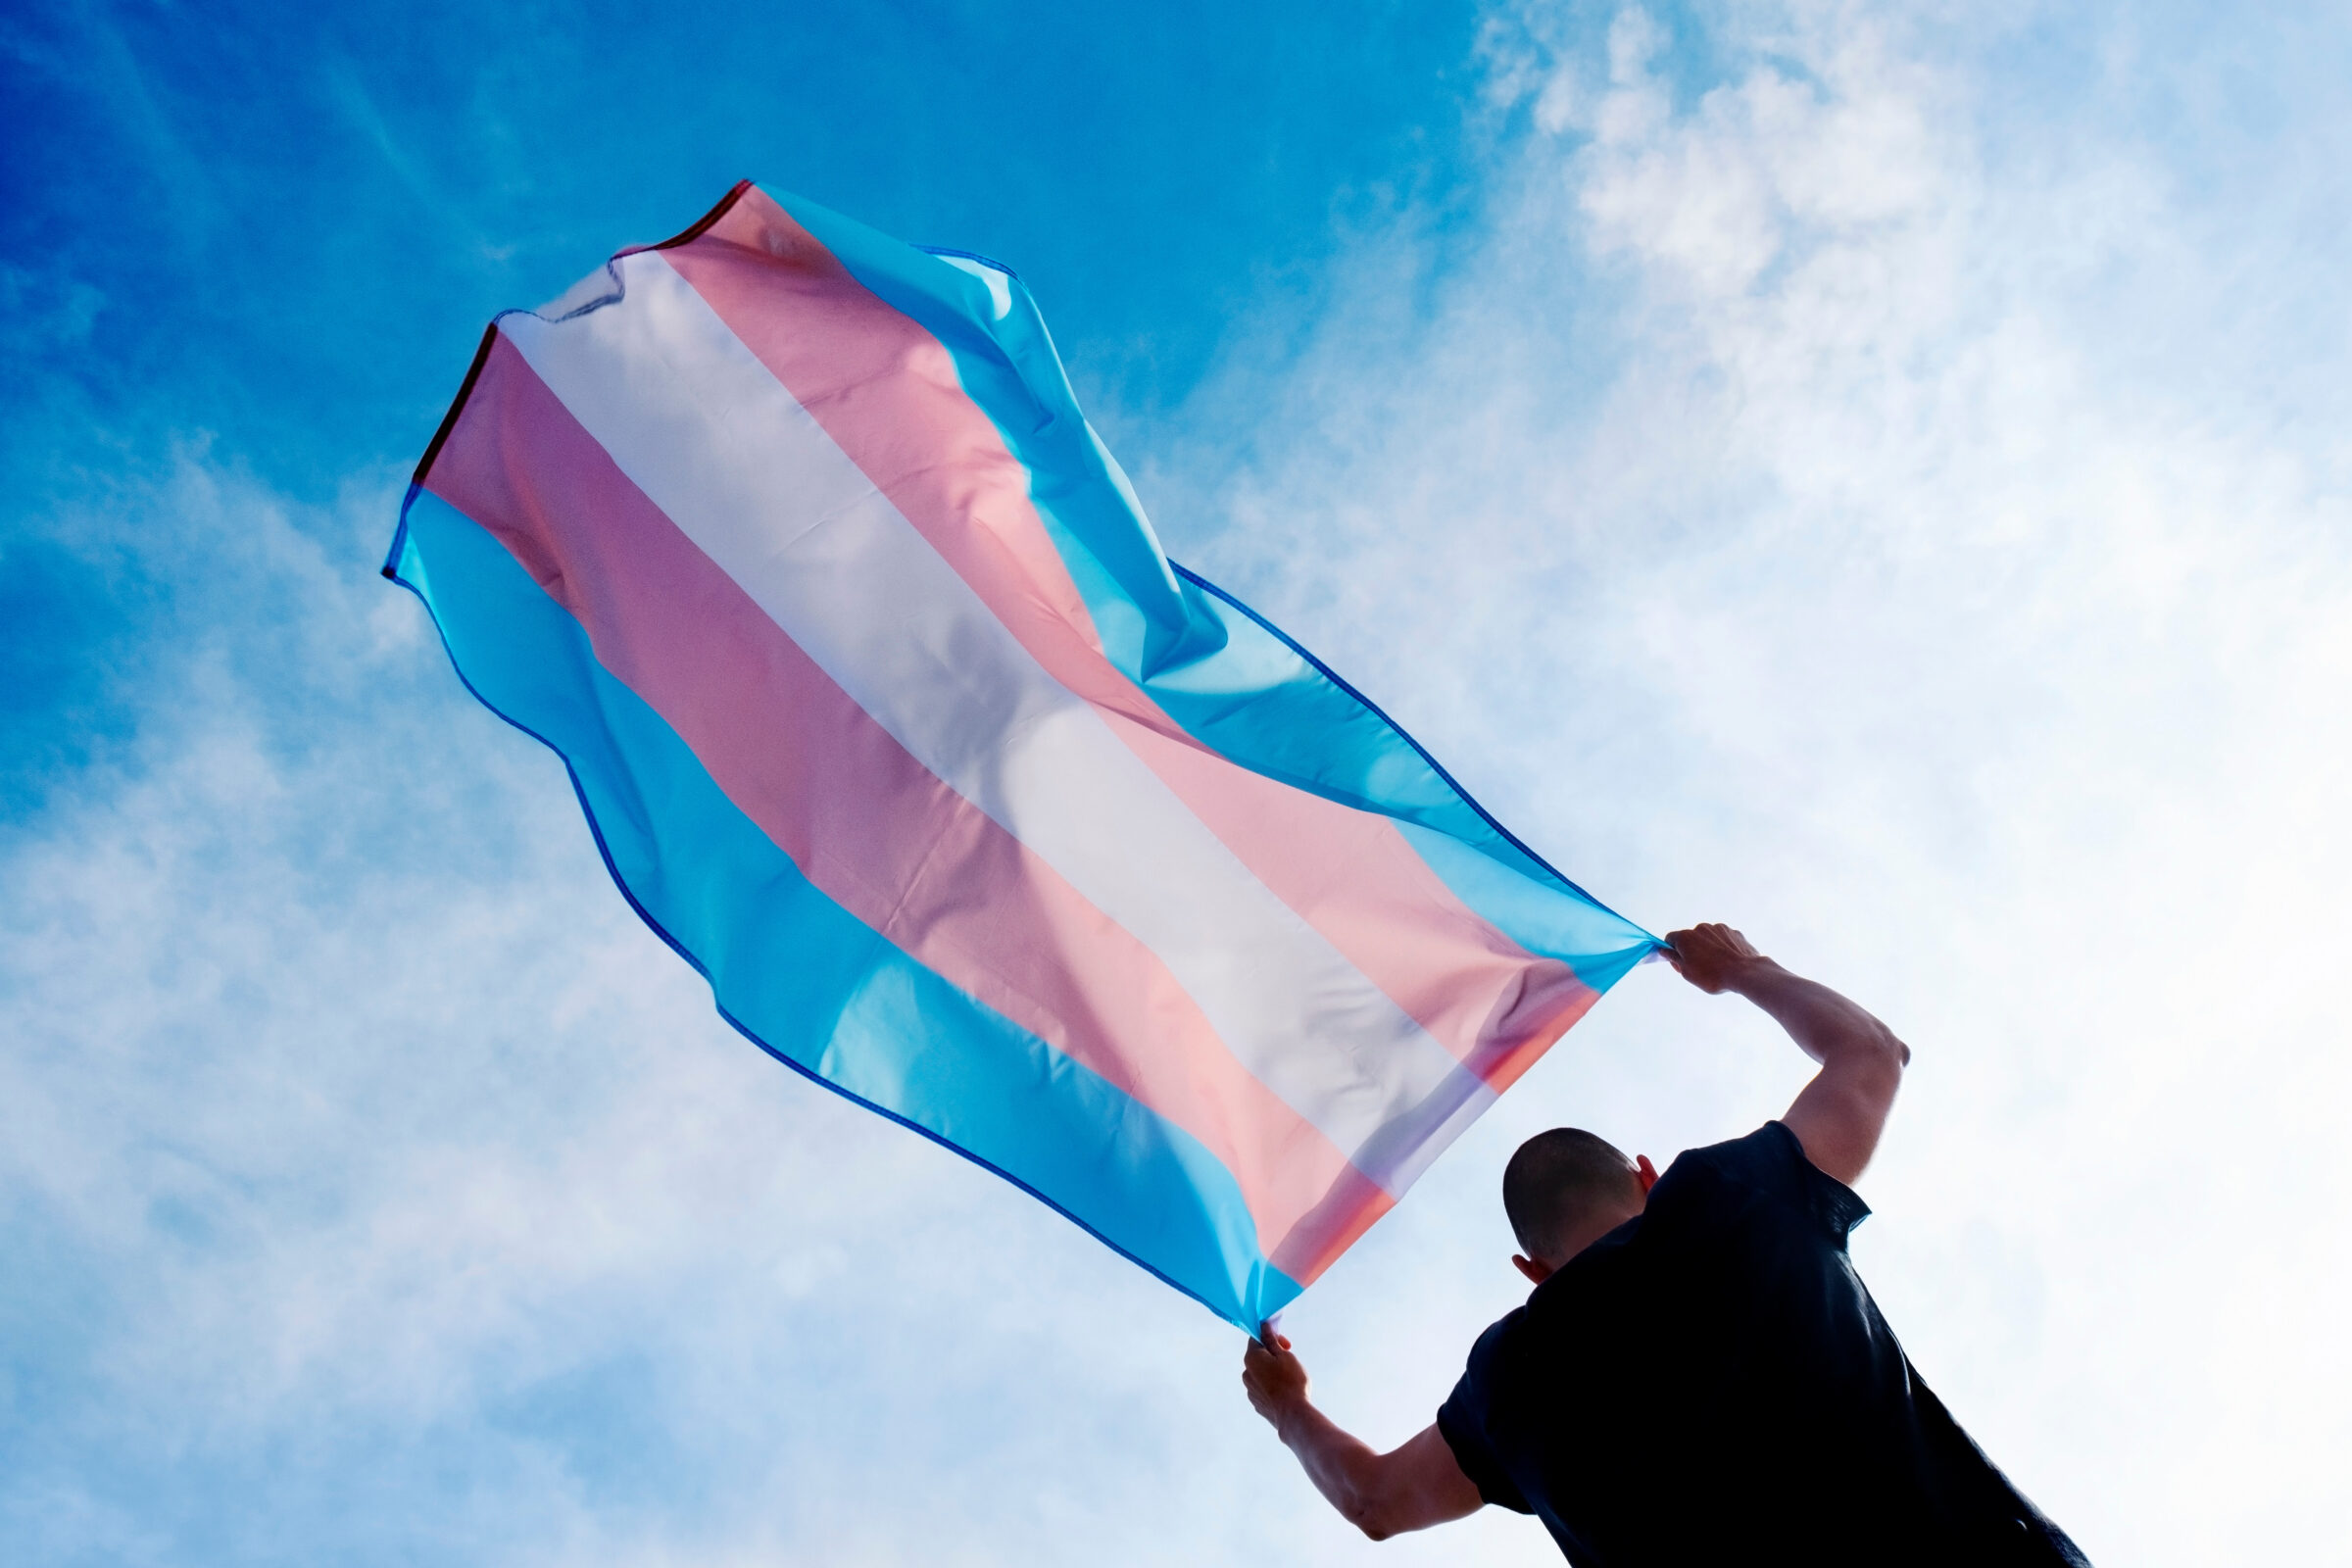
891, 716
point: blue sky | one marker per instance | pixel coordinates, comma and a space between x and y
282, 226
1873, 474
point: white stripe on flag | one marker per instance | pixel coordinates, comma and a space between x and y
717, 442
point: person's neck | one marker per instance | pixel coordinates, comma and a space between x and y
1593, 1231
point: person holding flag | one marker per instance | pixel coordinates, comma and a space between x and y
1699, 1376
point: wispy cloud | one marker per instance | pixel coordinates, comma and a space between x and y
1773, 522
85, 51
433, 202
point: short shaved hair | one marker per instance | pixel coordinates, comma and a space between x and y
1556, 1179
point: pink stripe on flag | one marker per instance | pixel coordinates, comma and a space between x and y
864, 821
887, 393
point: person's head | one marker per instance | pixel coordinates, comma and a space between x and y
1565, 1189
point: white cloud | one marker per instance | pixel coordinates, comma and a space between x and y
1775, 524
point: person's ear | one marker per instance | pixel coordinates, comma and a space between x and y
1537, 1273
1645, 1173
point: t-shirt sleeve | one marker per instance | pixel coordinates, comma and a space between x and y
1462, 1423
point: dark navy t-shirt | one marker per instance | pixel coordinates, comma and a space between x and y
1711, 1384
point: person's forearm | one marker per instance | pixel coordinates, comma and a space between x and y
1383, 1495
1825, 1025
1838, 1116
1342, 1466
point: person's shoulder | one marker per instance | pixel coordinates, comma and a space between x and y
1770, 1146
1769, 1164
1766, 1158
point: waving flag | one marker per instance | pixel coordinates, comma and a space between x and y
889, 715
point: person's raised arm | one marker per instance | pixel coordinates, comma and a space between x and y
1383, 1495
1840, 1114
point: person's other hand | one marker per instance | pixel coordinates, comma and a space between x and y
1710, 957
1274, 1379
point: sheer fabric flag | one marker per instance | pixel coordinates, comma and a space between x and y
892, 720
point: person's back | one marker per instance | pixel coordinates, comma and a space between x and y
1699, 1376
1711, 1375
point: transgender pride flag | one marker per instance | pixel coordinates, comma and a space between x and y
892, 718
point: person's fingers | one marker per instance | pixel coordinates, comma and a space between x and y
1271, 1341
